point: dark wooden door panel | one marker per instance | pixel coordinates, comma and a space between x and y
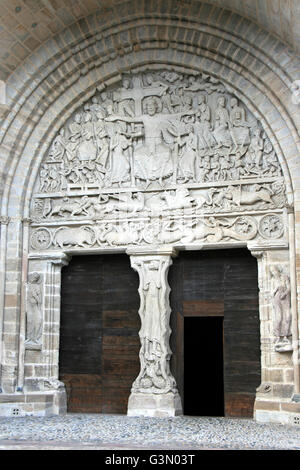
99, 343
214, 284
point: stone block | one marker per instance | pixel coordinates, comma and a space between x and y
291, 407
154, 405
283, 390
289, 376
266, 405
276, 375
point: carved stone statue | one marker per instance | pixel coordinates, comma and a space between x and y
34, 314
154, 376
281, 301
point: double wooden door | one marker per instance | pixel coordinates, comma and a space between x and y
215, 331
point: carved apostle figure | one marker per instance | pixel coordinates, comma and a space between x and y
75, 127
119, 171
239, 126
203, 124
59, 146
34, 318
87, 149
151, 333
187, 162
281, 301
222, 124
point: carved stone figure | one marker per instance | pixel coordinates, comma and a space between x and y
180, 200
34, 313
222, 121
116, 235
67, 236
87, 149
154, 376
281, 300
239, 126
58, 147
187, 161
203, 124
239, 196
126, 202
119, 161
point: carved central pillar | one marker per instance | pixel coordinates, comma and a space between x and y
154, 392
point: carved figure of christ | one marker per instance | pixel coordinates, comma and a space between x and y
153, 158
153, 125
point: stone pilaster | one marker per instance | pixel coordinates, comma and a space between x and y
274, 395
39, 391
154, 392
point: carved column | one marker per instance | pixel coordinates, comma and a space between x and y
154, 392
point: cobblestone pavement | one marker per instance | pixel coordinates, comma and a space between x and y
97, 431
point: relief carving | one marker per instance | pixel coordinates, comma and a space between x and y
159, 145
34, 312
153, 131
281, 301
155, 375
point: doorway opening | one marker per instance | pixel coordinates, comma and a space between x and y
99, 342
203, 366
215, 337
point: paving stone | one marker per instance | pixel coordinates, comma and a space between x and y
97, 430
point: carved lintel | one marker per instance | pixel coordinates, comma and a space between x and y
62, 259
161, 251
255, 246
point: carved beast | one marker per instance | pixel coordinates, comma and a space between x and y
81, 236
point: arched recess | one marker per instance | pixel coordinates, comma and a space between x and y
94, 54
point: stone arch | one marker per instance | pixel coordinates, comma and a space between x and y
94, 53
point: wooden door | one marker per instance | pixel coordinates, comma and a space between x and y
219, 283
99, 343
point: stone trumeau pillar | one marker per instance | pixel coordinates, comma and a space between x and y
154, 391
